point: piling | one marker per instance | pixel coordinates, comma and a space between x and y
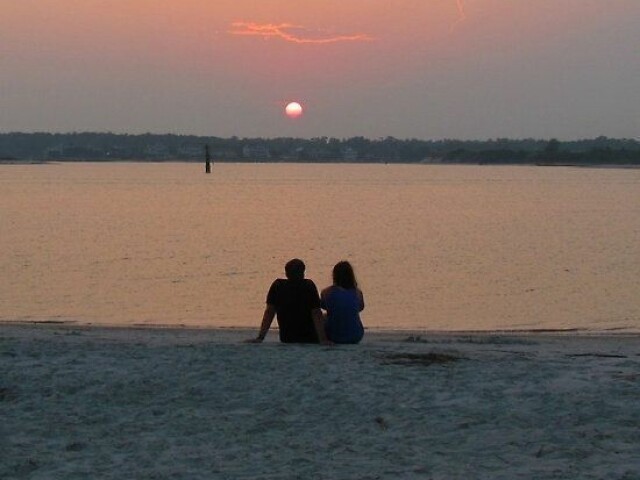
207, 160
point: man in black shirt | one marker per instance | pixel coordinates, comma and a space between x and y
296, 303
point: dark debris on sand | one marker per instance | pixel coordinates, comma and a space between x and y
595, 355
418, 359
470, 339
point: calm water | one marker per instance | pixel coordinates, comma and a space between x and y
435, 247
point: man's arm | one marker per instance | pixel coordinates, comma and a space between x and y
267, 319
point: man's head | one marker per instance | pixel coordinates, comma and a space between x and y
294, 269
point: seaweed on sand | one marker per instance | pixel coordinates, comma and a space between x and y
419, 359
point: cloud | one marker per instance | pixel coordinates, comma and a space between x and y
291, 33
462, 14
461, 9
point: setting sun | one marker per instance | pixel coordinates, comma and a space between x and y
293, 110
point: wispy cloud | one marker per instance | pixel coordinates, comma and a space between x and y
461, 10
292, 33
462, 14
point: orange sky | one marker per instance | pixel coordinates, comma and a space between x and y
82, 56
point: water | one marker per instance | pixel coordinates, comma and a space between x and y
435, 247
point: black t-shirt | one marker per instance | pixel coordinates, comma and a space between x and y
294, 301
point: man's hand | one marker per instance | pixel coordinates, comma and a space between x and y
267, 318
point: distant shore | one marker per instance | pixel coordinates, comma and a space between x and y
191, 161
87, 146
16, 161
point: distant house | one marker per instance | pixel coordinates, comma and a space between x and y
227, 154
119, 152
190, 151
156, 151
74, 152
256, 152
349, 154
54, 152
432, 160
317, 153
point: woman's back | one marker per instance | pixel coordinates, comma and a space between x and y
343, 317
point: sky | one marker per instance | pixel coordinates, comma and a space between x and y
428, 69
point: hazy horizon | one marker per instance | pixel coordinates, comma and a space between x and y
373, 139
425, 69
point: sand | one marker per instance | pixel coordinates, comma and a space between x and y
81, 402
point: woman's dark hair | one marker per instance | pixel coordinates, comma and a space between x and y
343, 275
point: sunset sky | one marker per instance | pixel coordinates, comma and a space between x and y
429, 69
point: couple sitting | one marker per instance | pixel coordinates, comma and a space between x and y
296, 303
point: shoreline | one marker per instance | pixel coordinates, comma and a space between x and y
623, 166
372, 333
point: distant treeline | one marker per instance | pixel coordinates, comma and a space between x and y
151, 147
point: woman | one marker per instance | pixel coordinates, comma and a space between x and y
343, 301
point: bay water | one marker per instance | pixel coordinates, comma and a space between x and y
435, 247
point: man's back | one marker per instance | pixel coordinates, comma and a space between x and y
294, 300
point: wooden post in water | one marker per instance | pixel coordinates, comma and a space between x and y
207, 160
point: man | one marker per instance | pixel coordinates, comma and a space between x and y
296, 303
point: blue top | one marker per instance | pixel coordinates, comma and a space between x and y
343, 318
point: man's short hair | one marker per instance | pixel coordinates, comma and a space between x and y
294, 269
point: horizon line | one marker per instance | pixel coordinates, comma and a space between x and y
378, 138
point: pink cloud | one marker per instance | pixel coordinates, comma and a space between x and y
462, 14
285, 31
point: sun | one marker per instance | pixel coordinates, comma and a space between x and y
293, 110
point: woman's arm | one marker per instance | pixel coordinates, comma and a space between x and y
318, 322
360, 298
323, 297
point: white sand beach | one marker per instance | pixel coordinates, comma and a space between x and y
114, 403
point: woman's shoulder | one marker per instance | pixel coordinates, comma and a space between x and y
327, 290
336, 289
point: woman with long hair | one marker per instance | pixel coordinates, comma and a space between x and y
343, 302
